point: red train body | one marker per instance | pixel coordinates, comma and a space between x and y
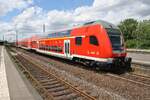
96, 43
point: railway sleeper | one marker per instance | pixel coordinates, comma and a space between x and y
57, 89
51, 83
41, 75
46, 80
71, 96
52, 86
62, 93
37, 72
41, 78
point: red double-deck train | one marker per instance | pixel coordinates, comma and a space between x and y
97, 43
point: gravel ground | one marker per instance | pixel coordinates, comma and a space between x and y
143, 80
99, 93
97, 84
141, 70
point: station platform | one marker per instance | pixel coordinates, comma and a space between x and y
13, 84
140, 58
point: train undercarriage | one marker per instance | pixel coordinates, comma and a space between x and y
115, 64
118, 64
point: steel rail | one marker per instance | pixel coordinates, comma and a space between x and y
130, 80
24, 70
63, 81
37, 64
141, 76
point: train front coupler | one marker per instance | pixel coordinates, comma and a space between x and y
122, 63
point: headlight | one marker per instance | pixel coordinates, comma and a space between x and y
110, 60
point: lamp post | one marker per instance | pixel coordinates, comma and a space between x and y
43, 28
16, 37
3, 39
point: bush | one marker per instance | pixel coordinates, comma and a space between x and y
131, 43
136, 34
145, 44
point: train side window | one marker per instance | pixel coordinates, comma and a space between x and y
78, 40
49, 48
46, 47
93, 40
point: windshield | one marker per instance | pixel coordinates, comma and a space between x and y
115, 38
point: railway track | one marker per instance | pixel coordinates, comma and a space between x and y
142, 76
130, 77
146, 79
136, 81
49, 85
133, 78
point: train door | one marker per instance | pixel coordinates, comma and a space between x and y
67, 48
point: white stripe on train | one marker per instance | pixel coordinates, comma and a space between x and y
74, 55
71, 56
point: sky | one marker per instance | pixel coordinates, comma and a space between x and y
28, 16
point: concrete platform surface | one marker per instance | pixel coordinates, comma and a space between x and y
19, 87
4, 90
140, 58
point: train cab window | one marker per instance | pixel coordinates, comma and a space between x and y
78, 40
46, 47
93, 40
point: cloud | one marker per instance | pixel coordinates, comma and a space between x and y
116, 10
5, 27
32, 19
9, 5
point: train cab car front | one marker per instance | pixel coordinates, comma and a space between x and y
123, 63
119, 53
100, 44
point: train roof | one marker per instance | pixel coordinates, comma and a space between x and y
105, 24
65, 31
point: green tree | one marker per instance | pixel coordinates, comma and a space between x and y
143, 34
136, 34
128, 28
